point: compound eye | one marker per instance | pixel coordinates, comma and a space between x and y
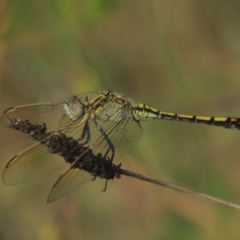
73, 108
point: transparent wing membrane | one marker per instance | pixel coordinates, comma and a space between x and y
31, 164
51, 113
73, 178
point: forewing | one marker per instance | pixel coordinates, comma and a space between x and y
50, 113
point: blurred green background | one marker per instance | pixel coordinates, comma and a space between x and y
180, 56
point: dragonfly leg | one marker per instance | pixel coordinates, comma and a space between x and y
107, 139
85, 134
105, 186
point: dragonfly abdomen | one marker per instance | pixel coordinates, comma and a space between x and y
226, 122
144, 112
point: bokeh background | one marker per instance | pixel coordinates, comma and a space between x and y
180, 56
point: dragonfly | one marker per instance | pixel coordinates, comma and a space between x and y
102, 125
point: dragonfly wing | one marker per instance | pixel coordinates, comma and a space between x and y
123, 134
126, 134
50, 113
70, 180
31, 164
